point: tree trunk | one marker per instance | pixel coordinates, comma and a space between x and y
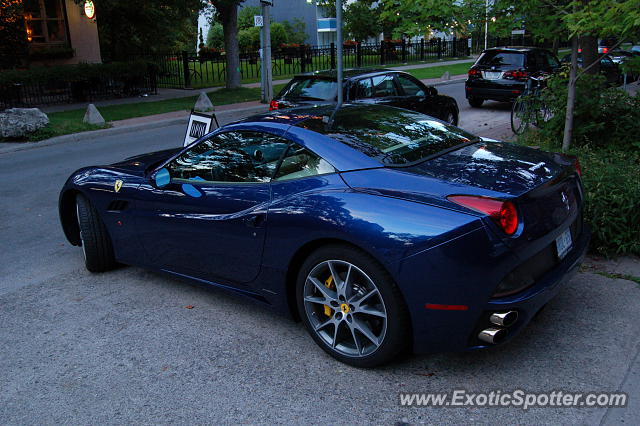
556, 45
571, 96
589, 45
229, 17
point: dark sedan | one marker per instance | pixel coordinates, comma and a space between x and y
500, 73
380, 87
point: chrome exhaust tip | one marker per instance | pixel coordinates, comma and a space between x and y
492, 335
504, 319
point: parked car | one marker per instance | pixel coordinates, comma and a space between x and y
383, 229
635, 50
500, 73
606, 44
619, 57
380, 87
608, 68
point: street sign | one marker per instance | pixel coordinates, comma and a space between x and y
517, 32
258, 21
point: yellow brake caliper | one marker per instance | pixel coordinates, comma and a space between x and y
329, 284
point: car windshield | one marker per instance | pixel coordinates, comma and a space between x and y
498, 57
395, 137
311, 89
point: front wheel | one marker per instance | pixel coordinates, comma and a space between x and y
520, 116
476, 102
96, 244
451, 117
351, 307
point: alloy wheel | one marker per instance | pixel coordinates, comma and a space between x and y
345, 308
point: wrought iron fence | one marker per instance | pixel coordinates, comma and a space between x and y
52, 92
190, 69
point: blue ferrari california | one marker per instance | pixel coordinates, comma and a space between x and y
382, 229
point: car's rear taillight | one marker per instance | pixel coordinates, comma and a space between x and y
273, 105
516, 75
605, 50
576, 164
473, 72
503, 213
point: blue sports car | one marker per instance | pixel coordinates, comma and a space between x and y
382, 229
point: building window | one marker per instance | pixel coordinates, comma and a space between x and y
45, 23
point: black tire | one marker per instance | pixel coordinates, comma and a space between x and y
451, 117
95, 240
397, 337
476, 102
520, 116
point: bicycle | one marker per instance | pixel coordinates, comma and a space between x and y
529, 108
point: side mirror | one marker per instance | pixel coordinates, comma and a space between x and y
161, 178
432, 91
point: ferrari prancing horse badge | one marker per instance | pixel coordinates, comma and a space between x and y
117, 185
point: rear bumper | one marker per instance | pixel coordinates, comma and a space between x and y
457, 330
498, 90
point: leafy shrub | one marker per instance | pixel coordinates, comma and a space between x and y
612, 183
611, 178
603, 117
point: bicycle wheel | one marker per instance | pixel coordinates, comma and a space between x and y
520, 116
543, 114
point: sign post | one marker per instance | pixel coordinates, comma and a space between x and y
339, 50
267, 91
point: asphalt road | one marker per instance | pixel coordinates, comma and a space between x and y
121, 347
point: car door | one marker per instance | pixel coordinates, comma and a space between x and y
385, 91
209, 222
417, 97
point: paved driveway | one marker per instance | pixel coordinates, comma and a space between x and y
121, 347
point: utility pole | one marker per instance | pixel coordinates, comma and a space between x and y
486, 22
266, 51
339, 50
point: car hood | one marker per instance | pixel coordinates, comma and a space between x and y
492, 169
140, 163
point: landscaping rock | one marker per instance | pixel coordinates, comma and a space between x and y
19, 122
203, 104
446, 76
93, 116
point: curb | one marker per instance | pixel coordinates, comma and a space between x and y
447, 82
112, 131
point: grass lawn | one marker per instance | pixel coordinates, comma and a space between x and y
66, 122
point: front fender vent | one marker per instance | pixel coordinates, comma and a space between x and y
117, 205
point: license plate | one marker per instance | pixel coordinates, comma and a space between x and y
492, 75
563, 243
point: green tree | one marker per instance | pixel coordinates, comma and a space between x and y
245, 17
227, 14
362, 20
215, 36
13, 47
296, 31
249, 39
125, 26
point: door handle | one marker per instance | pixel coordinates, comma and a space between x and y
256, 220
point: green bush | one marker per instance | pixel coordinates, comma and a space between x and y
603, 117
611, 178
119, 71
612, 183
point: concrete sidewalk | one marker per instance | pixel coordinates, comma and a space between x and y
164, 94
